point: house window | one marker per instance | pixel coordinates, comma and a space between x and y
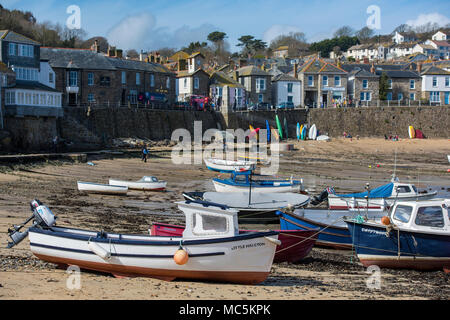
138, 79
90, 79
260, 84
152, 80
435, 82
434, 96
447, 81
325, 81
73, 78
310, 81
13, 49
412, 84
133, 96
337, 80
389, 96
290, 86
51, 77
290, 99
168, 83
91, 97
412, 96
105, 81
185, 83
196, 83
366, 96
400, 96
365, 84
124, 77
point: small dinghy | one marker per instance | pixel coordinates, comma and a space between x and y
414, 235
295, 244
228, 166
91, 187
252, 207
210, 248
145, 184
245, 182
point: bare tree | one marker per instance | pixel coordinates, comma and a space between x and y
344, 31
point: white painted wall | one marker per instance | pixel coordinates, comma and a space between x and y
427, 83
281, 92
44, 75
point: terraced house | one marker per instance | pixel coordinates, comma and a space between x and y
88, 77
256, 82
323, 83
435, 85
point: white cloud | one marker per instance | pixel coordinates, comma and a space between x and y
140, 32
429, 18
278, 30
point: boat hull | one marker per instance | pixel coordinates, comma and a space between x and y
243, 259
142, 186
295, 244
223, 187
332, 231
418, 250
101, 188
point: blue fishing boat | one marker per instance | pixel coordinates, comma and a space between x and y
333, 231
415, 235
244, 181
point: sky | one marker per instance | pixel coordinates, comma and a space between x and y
153, 24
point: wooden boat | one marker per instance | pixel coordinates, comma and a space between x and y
379, 198
91, 187
415, 235
211, 249
228, 166
333, 231
295, 244
145, 184
253, 208
244, 181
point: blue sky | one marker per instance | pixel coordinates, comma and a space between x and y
151, 24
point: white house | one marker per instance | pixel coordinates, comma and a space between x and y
425, 49
286, 89
442, 48
440, 36
436, 85
399, 38
401, 50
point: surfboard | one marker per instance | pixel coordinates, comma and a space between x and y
299, 131
312, 132
280, 129
276, 137
412, 132
268, 131
304, 133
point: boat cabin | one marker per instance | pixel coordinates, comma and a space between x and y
149, 179
428, 215
208, 220
404, 190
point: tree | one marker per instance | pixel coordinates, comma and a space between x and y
327, 45
103, 44
217, 38
132, 54
365, 34
344, 31
402, 28
384, 86
295, 41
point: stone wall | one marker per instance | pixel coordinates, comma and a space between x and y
377, 122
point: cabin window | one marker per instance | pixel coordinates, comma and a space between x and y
403, 189
430, 217
403, 213
205, 224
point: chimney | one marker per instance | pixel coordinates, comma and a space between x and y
236, 75
296, 70
419, 67
372, 69
119, 53
95, 47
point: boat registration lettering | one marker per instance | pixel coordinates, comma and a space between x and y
372, 231
248, 245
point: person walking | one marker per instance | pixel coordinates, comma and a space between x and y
144, 153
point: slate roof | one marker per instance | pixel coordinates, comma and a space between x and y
362, 73
252, 71
220, 78
9, 35
88, 59
284, 77
399, 73
432, 70
318, 65
185, 73
33, 85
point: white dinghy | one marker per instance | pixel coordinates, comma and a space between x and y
91, 187
211, 248
228, 166
145, 184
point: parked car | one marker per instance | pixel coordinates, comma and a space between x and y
286, 105
263, 106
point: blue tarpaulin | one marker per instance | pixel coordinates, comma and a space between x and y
380, 192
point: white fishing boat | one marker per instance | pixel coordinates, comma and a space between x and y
246, 182
211, 248
379, 198
147, 183
91, 187
227, 166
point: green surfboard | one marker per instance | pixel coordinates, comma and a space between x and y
280, 129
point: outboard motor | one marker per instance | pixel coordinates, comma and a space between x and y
42, 217
316, 200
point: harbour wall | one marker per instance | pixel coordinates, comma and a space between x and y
95, 129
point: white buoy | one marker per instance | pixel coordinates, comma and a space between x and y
102, 253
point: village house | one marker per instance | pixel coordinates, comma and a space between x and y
441, 36
442, 48
256, 82
194, 81
399, 38
435, 85
88, 77
32, 91
370, 51
363, 86
425, 49
7, 79
286, 88
323, 83
403, 85
281, 52
226, 93
401, 50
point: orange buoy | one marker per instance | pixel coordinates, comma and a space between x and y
386, 221
181, 257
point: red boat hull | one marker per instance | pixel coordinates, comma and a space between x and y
295, 244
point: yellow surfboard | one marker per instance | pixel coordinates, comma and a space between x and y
275, 134
412, 132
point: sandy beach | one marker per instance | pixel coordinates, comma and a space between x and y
325, 274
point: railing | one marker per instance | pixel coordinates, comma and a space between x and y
138, 106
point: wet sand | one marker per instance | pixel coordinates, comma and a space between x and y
325, 274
